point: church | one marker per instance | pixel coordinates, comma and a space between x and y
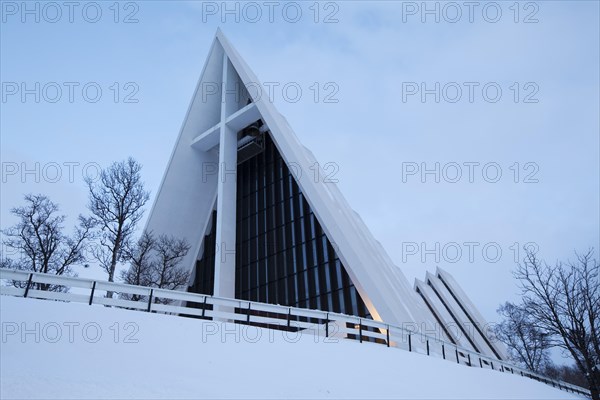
240, 188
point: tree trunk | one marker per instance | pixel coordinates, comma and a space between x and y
111, 274
595, 386
113, 261
595, 393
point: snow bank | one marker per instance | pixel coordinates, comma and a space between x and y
63, 350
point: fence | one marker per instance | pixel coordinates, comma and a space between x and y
35, 285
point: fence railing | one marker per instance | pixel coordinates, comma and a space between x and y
329, 324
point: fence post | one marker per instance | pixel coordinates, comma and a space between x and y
480, 363
443, 351
409, 342
360, 330
204, 307
28, 285
387, 334
469, 356
288, 316
248, 315
92, 294
457, 360
427, 346
327, 325
492, 364
150, 300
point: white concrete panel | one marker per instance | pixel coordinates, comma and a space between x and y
443, 315
460, 316
226, 213
186, 196
470, 309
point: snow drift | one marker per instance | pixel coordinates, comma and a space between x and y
64, 350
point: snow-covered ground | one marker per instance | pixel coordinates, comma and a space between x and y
64, 350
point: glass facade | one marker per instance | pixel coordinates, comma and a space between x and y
205, 267
282, 256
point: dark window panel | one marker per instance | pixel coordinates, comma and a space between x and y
283, 256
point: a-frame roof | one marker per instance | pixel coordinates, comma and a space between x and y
187, 193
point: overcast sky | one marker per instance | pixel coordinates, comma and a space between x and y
386, 92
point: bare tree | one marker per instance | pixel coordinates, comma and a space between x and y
154, 262
564, 301
116, 200
527, 344
38, 237
141, 263
167, 273
567, 373
8, 263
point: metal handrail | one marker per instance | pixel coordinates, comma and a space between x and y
240, 310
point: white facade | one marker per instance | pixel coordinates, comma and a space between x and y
201, 177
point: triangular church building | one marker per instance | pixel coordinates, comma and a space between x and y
240, 188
